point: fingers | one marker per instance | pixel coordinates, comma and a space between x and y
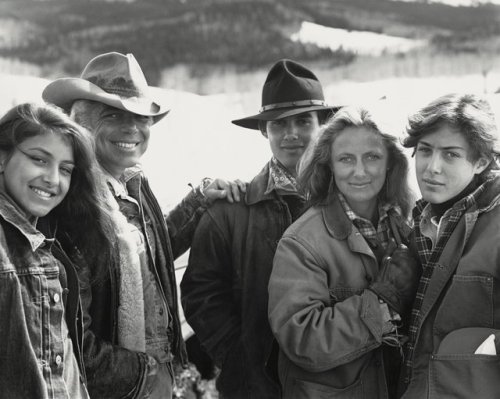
234, 189
230, 190
242, 185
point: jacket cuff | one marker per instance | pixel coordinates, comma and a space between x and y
372, 315
196, 199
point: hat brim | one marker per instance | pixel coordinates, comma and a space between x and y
64, 92
252, 122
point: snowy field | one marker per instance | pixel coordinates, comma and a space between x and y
362, 43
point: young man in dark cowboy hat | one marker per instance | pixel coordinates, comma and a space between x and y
131, 321
224, 289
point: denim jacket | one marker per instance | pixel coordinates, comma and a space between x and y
34, 310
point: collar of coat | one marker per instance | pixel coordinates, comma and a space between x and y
339, 226
256, 190
486, 201
337, 222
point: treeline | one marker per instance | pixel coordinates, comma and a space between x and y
245, 33
421, 14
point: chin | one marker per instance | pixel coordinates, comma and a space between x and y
434, 199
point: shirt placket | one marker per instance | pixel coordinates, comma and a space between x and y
52, 325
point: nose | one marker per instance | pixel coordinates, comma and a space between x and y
130, 124
52, 176
292, 131
359, 169
130, 127
435, 163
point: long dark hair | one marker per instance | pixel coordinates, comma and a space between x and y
81, 219
315, 170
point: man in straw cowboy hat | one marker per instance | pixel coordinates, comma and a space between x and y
132, 328
224, 289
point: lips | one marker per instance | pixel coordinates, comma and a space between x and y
431, 182
292, 147
359, 185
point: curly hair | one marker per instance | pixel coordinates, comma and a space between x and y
315, 169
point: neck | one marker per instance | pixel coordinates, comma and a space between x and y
117, 173
367, 210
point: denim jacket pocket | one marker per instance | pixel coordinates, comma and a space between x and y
464, 376
468, 302
306, 389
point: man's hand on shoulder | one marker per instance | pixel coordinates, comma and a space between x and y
216, 189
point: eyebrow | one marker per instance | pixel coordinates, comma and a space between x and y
451, 147
46, 153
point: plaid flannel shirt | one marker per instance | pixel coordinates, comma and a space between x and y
382, 234
429, 257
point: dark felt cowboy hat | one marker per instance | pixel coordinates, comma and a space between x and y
114, 79
290, 89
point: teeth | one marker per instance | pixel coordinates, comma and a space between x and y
125, 145
42, 193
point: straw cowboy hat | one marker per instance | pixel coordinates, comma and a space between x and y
290, 89
114, 79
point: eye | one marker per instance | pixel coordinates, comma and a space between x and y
277, 123
38, 160
144, 119
424, 150
345, 159
452, 155
304, 121
66, 170
373, 157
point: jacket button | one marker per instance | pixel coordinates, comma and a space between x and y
58, 360
56, 297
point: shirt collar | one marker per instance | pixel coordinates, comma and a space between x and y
383, 210
280, 179
119, 186
14, 216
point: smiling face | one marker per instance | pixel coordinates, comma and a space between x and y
290, 136
121, 139
443, 165
359, 162
37, 174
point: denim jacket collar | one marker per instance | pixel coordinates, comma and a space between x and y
119, 187
11, 214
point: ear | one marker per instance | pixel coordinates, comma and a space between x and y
481, 164
264, 133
